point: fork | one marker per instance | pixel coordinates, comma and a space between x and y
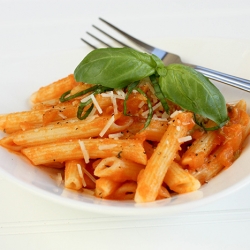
169, 58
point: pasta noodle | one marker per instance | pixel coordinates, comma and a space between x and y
162, 158
114, 156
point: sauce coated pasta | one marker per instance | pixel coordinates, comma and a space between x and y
114, 155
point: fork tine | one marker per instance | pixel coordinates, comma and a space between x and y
98, 39
146, 47
91, 45
105, 33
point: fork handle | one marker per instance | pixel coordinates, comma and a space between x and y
225, 78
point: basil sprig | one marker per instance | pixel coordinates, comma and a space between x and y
193, 91
115, 67
119, 67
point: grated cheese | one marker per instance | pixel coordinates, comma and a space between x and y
107, 126
119, 97
96, 103
115, 136
85, 99
84, 151
92, 118
141, 104
79, 168
84, 184
62, 115
113, 99
107, 94
120, 93
92, 112
91, 115
185, 138
106, 147
175, 113
91, 177
159, 118
156, 106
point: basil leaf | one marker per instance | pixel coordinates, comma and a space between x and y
194, 92
159, 94
115, 67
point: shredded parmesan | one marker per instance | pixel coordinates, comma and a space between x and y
85, 99
107, 126
91, 177
92, 112
156, 118
96, 103
119, 97
91, 115
62, 115
107, 94
115, 136
156, 106
79, 168
84, 151
185, 138
141, 104
91, 118
175, 113
113, 100
84, 184
120, 93
106, 147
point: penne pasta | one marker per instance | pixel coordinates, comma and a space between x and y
163, 193
53, 90
119, 170
125, 192
122, 144
105, 187
163, 156
227, 152
75, 129
180, 180
196, 154
97, 148
74, 176
153, 132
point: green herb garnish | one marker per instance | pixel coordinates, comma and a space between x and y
117, 68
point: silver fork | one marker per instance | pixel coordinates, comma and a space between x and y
169, 58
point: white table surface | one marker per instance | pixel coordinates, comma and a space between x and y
31, 29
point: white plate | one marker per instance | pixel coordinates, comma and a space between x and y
22, 78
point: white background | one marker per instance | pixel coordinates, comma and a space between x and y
213, 33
